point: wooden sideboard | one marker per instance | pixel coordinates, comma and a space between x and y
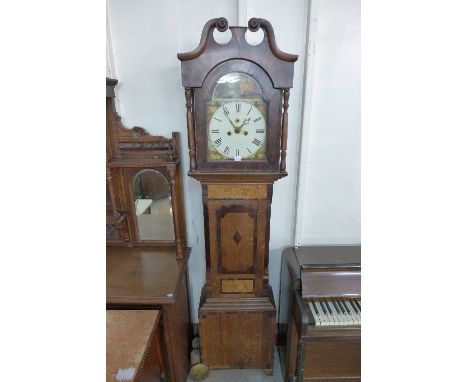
152, 278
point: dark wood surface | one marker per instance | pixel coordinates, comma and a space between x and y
318, 353
133, 341
144, 275
322, 256
197, 63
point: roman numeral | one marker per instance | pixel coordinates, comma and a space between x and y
249, 150
238, 107
256, 142
257, 119
225, 109
226, 150
216, 131
237, 152
217, 119
218, 142
250, 109
260, 131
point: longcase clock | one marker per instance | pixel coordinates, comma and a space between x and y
237, 120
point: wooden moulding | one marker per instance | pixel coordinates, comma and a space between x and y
197, 63
239, 177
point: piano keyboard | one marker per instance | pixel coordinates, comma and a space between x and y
336, 312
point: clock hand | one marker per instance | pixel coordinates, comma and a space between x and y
236, 129
246, 122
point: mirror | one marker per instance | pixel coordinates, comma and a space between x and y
153, 207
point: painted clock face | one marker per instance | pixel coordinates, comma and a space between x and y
237, 126
237, 130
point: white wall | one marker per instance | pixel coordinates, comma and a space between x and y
145, 37
329, 192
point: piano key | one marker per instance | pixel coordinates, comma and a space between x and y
355, 306
327, 312
343, 307
324, 317
314, 314
342, 316
337, 316
319, 314
314, 308
353, 315
346, 313
359, 304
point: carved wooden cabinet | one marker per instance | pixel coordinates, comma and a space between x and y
144, 186
147, 253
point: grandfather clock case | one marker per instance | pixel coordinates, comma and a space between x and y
237, 120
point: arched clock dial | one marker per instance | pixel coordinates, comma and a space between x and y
237, 130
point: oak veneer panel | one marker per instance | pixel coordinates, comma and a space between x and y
237, 340
132, 344
237, 242
237, 286
238, 191
237, 332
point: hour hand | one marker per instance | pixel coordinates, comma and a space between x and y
246, 122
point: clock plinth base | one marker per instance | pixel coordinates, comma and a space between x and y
238, 332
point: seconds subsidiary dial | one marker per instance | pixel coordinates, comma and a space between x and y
237, 130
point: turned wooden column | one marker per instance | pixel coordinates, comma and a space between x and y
284, 130
111, 190
190, 127
175, 213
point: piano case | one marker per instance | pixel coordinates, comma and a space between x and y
318, 353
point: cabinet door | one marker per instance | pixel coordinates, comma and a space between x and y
237, 245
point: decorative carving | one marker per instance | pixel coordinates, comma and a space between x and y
255, 24
138, 132
221, 25
198, 63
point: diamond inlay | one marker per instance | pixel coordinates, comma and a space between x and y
237, 237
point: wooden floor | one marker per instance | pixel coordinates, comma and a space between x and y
244, 375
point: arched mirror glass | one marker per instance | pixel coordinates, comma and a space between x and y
153, 207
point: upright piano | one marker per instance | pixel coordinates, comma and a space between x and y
320, 308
